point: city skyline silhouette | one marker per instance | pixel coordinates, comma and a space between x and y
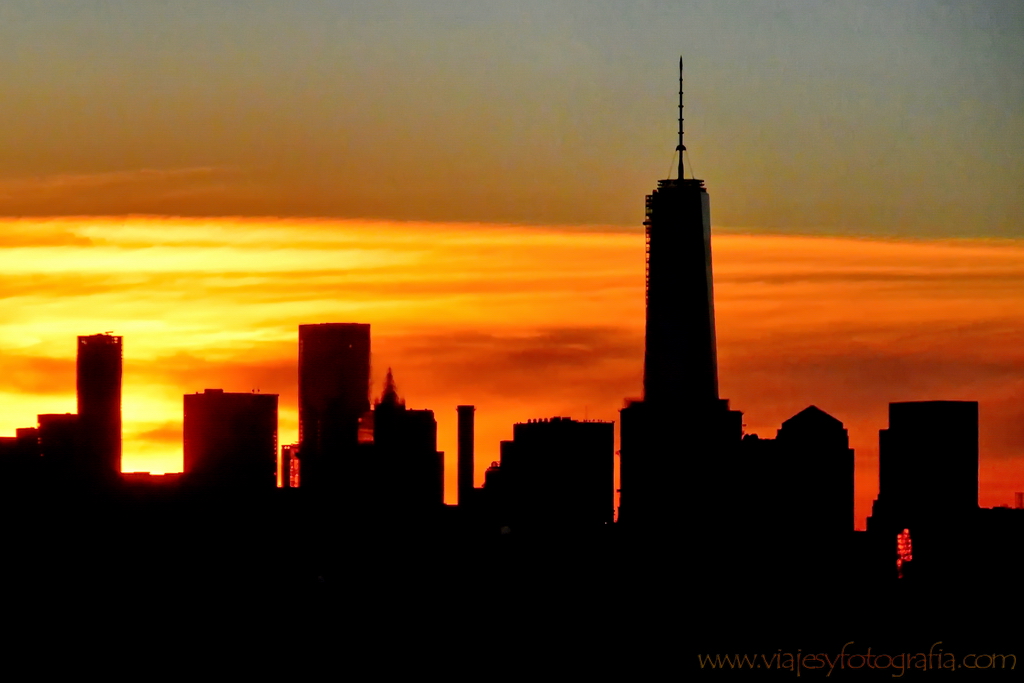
334, 366
607, 411
403, 390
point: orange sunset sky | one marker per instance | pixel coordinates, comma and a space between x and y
520, 321
469, 178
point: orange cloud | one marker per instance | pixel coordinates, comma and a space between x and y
36, 374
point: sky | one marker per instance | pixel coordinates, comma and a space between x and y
804, 116
468, 178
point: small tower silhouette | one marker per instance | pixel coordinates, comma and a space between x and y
389, 397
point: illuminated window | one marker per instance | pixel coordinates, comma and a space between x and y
904, 549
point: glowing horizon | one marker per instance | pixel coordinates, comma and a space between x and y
523, 322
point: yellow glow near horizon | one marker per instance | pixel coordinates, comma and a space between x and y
522, 322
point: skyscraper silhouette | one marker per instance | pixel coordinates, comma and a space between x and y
99, 408
680, 356
466, 454
334, 391
673, 440
410, 467
230, 440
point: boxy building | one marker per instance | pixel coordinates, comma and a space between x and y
231, 440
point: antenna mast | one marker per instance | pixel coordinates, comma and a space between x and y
681, 148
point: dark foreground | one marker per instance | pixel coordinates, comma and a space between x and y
280, 581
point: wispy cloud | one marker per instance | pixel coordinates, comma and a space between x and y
144, 190
55, 184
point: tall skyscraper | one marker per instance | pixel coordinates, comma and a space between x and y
466, 455
334, 392
680, 357
230, 440
673, 440
99, 408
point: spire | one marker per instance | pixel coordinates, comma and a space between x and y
681, 148
389, 397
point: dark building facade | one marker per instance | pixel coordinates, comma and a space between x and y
558, 475
466, 454
59, 447
289, 466
493, 491
409, 470
99, 408
928, 488
680, 356
927, 463
21, 466
639, 472
334, 392
815, 469
680, 352
676, 440
230, 440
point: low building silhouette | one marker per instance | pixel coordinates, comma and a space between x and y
815, 475
145, 482
793, 492
61, 449
230, 440
289, 464
676, 465
557, 475
20, 460
928, 485
927, 464
409, 468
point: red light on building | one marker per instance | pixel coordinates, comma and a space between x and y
288, 466
904, 550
